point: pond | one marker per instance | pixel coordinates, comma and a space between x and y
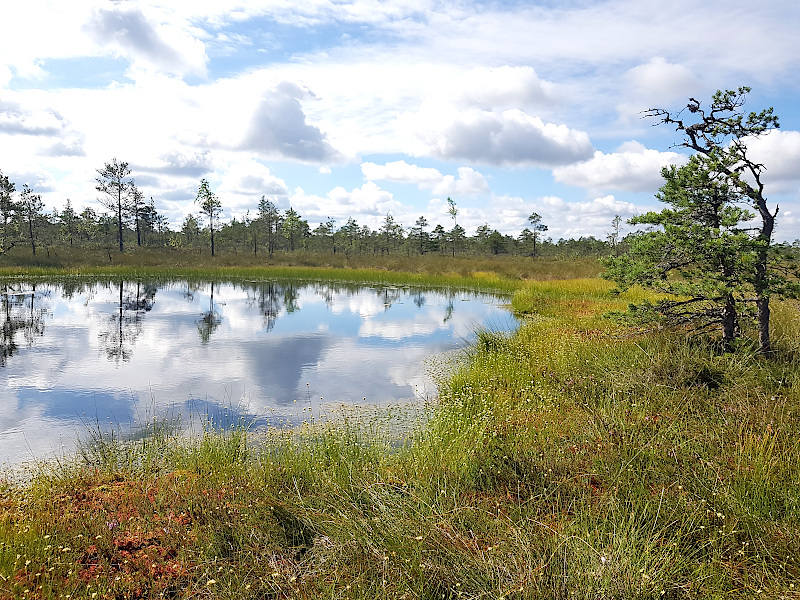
79, 355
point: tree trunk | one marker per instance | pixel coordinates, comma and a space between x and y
119, 221
30, 231
729, 323
761, 282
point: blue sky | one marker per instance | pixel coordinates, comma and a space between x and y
359, 108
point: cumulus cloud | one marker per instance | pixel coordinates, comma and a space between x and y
511, 137
57, 34
401, 172
576, 219
655, 83
469, 181
129, 32
504, 87
245, 182
38, 179
279, 128
779, 152
453, 84
70, 147
662, 80
509, 215
184, 164
631, 168
16, 120
369, 204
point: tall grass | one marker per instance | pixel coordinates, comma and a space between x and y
573, 459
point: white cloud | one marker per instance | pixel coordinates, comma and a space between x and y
504, 88
57, 34
576, 219
40, 180
244, 183
279, 128
148, 35
228, 44
128, 31
779, 152
661, 80
72, 146
21, 118
469, 181
564, 219
377, 100
193, 164
584, 35
653, 84
401, 172
510, 137
304, 14
369, 203
632, 168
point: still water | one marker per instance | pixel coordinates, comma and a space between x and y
78, 354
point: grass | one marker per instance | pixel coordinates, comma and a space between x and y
504, 274
576, 458
187, 261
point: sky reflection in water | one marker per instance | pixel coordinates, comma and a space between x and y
80, 354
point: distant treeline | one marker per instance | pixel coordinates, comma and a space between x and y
129, 219
285, 230
126, 218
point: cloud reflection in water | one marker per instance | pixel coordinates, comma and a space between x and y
84, 352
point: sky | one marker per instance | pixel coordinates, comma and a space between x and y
362, 108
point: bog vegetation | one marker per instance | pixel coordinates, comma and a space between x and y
576, 458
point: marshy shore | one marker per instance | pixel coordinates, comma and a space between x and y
578, 457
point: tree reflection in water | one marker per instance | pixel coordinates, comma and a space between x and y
134, 299
448, 310
266, 295
125, 324
291, 296
210, 320
389, 295
20, 313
